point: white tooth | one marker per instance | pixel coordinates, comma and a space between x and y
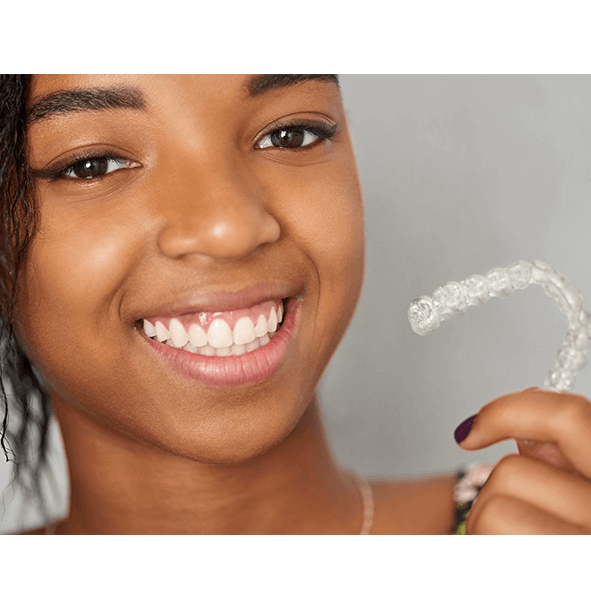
177, 333
207, 350
149, 330
169, 342
261, 328
219, 334
162, 332
264, 340
197, 335
189, 347
272, 325
280, 313
253, 345
225, 352
243, 331
238, 349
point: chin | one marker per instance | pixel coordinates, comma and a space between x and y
235, 438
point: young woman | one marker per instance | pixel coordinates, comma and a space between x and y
181, 257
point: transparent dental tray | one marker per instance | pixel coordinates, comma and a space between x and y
451, 300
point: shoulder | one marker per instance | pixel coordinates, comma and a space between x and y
32, 531
417, 506
47, 529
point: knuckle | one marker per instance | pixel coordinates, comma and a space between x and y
490, 516
506, 472
576, 410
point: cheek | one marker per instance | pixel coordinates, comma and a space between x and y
327, 218
73, 270
331, 230
339, 234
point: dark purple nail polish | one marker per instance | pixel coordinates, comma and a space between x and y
463, 429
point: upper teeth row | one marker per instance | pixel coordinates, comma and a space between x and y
219, 334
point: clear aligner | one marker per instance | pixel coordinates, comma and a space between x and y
453, 299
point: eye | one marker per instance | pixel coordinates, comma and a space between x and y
297, 136
87, 167
94, 167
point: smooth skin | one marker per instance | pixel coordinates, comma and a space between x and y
197, 208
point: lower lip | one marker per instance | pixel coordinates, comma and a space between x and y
234, 370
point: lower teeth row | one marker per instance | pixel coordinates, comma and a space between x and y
235, 349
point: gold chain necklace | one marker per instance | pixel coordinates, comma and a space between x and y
367, 502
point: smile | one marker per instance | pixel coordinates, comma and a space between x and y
225, 348
219, 334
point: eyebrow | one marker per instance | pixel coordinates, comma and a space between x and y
263, 83
95, 99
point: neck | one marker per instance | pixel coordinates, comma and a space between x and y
121, 486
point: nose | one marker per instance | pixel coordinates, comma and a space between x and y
216, 209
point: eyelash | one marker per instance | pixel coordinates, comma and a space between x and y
322, 131
60, 172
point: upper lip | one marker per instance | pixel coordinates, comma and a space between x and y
198, 301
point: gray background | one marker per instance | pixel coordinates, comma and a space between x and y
461, 174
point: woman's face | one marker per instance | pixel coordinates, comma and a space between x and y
196, 202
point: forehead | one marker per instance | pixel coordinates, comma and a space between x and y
45, 84
152, 86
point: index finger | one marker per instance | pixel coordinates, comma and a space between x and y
537, 415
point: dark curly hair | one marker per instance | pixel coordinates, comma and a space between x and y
25, 431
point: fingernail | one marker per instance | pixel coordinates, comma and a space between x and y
463, 429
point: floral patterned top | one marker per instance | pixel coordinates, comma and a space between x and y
470, 480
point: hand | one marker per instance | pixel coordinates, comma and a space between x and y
546, 488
